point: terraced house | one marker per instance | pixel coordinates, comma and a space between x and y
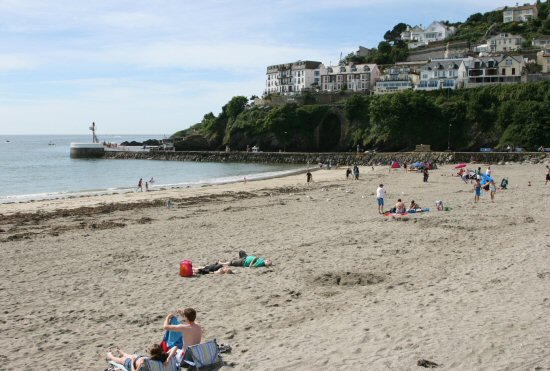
353, 77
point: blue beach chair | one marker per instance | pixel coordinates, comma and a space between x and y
149, 365
202, 355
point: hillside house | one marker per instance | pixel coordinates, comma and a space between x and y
504, 42
543, 59
439, 74
353, 77
436, 31
396, 79
490, 70
520, 13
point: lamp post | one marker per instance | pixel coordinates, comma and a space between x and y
449, 138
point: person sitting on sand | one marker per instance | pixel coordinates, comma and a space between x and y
134, 362
216, 268
399, 207
504, 183
246, 260
414, 206
191, 331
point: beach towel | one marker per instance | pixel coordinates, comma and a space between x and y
387, 213
172, 338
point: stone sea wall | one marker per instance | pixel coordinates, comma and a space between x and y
338, 158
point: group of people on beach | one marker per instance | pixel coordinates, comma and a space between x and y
191, 333
140, 184
244, 260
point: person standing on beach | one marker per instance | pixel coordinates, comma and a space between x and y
309, 177
547, 175
380, 193
477, 190
140, 185
493, 189
191, 331
426, 174
146, 187
355, 172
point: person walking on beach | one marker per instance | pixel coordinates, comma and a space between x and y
477, 190
426, 174
380, 193
547, 175
191, 331
309, 177
140, 185
355, 172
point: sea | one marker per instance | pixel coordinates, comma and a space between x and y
34, 167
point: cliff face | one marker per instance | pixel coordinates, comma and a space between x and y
493, 116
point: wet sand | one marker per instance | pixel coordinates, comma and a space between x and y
350, 289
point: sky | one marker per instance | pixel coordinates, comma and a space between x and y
158, 66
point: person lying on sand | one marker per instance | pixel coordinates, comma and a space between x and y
216, 268
245, 260
134, 362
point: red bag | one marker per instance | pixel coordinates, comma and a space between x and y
186, 268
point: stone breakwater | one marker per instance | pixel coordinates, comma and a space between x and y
336, 158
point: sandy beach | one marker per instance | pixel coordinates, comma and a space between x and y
467, 289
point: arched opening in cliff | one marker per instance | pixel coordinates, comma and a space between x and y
329, 130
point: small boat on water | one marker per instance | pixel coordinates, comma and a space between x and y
51, 143
7, 140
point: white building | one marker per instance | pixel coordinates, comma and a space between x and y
436, 31
541, 41
395, 79
504, 42
292, 78
353, 77
519, 13
439, 74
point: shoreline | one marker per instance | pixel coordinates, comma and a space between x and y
349, 288
17, 199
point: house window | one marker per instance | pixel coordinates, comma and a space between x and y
503, 72
513, 71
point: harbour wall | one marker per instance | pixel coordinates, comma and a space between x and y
336, 158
